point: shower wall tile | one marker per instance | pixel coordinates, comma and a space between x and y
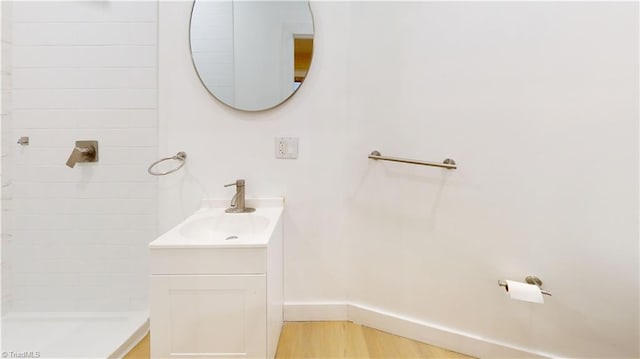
70, 190
81, 206
109, 137
84, 56
93, 172
82, 222
83, 71
84, 99
77, 11
7, 95
7, 78
81, 119
74, 238
85, 78
112, 156
84, 33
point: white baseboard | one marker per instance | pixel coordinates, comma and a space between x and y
456, 340
315, 312
131, 343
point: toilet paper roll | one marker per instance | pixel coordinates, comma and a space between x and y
525, 292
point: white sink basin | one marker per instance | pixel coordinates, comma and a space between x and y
225, 226
212, 227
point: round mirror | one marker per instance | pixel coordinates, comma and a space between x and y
251, 55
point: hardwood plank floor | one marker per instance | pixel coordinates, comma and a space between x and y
335, 340
349, 340
142, 350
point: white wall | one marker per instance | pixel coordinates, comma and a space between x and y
224, 145
83, 71
537, 102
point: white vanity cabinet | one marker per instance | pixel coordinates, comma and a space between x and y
209, 316
216, 301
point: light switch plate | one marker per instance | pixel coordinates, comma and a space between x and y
286, 147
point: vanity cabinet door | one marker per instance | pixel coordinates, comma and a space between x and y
208, 316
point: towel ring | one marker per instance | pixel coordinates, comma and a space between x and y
180, 156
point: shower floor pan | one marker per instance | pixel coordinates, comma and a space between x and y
72, 335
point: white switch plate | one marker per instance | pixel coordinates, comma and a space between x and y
286, 147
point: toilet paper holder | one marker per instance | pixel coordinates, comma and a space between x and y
530, 280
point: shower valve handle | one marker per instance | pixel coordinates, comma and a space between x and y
84, 151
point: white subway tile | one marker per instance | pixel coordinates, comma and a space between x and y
86, 33
80, 119
108, 137
82, 71
8, 205
70, 238
84, 99
51, 156
7, 13
78, 293
84, 206
30, 251
63, 190
84, 56
7, 81
50, 250
84, 78
6, 102
35, 292
121, 137
26, 265
83, 173
108, 190
110, 265
6, 55
113, 280
83, 265
52, 279
83, 222
84, 11
51, 304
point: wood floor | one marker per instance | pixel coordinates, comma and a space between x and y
336, 340
140, 351
349, 340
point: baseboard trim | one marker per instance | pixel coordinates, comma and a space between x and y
135, 338
315, 312
456, 340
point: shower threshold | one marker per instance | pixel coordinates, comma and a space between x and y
72, 335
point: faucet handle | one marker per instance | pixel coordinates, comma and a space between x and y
238, 183
75, 156
84, 151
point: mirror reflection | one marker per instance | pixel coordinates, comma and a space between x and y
251, 55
